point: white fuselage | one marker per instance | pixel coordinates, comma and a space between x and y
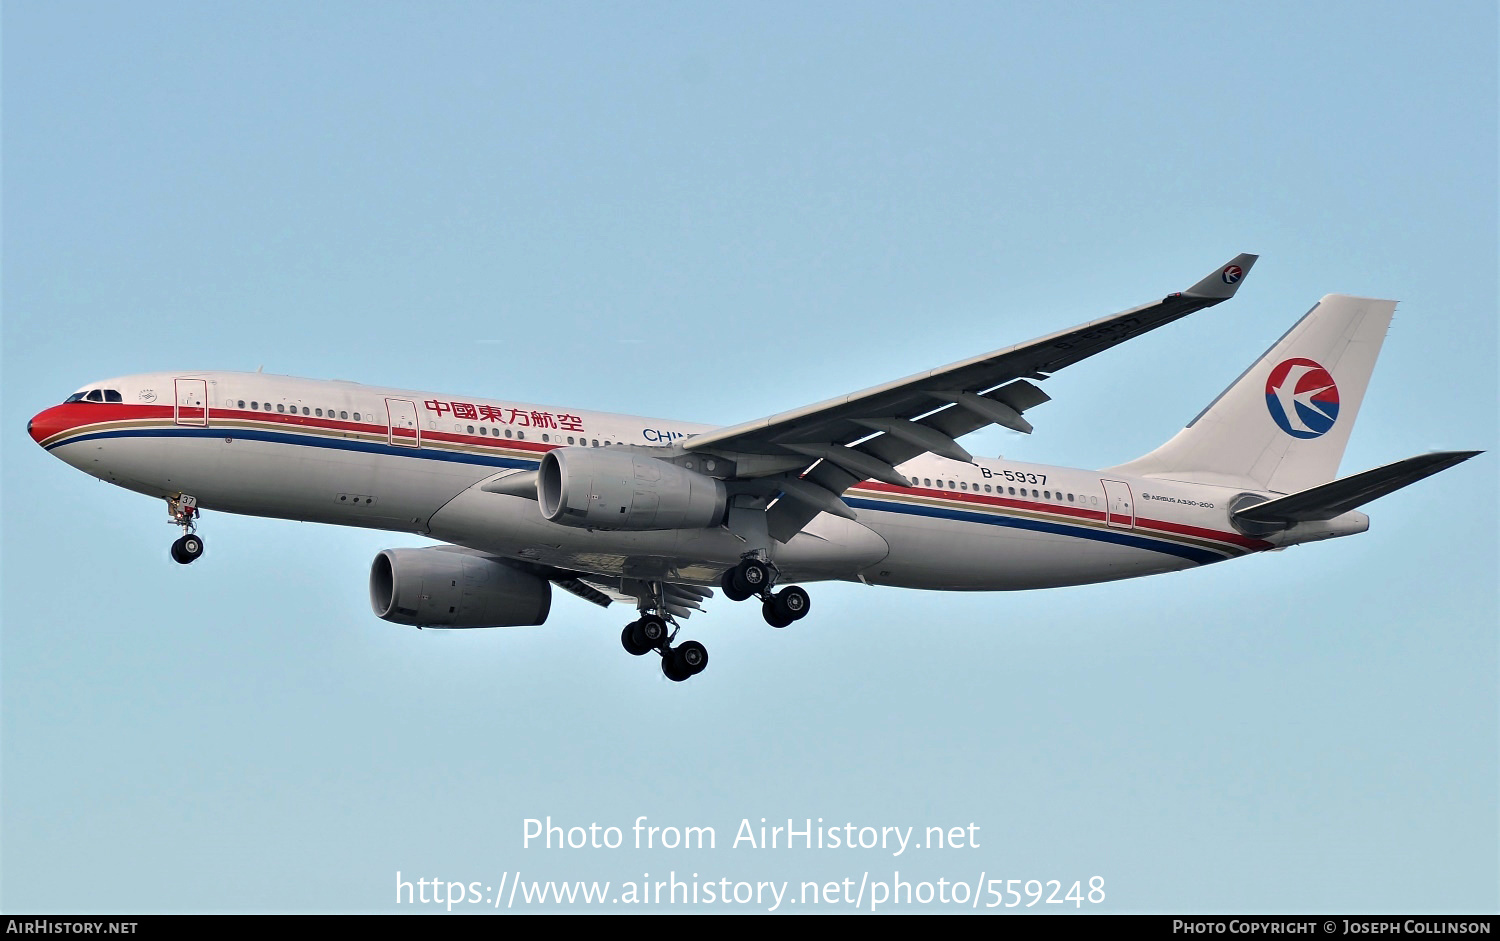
356, 455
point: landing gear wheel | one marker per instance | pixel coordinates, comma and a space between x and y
628, 641
187, 548
673, 668
692, 655
734, 589
754, 575
794, 601
650, 632
787, 605
192, 546
774, 615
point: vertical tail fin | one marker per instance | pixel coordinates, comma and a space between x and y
1283, 424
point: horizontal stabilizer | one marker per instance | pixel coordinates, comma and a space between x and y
1326, 501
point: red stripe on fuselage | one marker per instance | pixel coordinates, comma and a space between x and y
60, 419
1078, 512
969, 496
1201, 533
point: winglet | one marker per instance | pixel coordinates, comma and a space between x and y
1222, 284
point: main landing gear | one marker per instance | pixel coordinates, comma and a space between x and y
754, 578
655, 631
182, 510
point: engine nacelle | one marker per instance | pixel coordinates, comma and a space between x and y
605, 488
453, 587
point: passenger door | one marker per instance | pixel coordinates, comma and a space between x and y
401, 415
1120, 509
191, 401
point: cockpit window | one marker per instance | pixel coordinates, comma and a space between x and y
94, 395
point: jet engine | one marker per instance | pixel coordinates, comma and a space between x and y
453, 587
605, 488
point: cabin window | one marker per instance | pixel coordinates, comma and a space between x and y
471, 429
546, 437
507, 433
1070, 498
570, 439
356, 416
280, 407
986, 488
318, 412
240, 403
305, 410
521, 434
596, 442
343, 414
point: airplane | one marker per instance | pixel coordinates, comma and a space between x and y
873, 487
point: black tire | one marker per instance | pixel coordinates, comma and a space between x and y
734, 589
673, 668
773, 615
652, 631
755, 575
793, 602
632, 645
177, 554
192, 546
693, 656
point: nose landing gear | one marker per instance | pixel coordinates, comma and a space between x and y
182, 510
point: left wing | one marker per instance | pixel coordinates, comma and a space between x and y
810, 456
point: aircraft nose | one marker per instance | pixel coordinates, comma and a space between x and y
48, 422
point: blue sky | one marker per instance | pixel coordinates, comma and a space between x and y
714, 214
